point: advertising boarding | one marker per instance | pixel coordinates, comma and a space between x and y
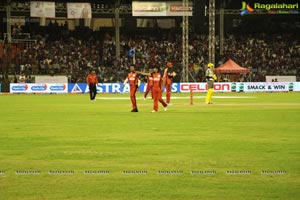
176, 87
49, 88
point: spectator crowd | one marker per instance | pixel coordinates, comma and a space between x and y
75, 53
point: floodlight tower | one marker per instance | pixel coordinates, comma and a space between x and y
117, 29
185, 42
8, 21
211, 36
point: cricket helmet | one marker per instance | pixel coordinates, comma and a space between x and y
210, 65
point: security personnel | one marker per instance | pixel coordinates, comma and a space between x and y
92, 81
210, 79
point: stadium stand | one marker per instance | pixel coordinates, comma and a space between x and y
57, 50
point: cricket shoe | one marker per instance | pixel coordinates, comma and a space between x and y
166, 108
154, 111
134, 110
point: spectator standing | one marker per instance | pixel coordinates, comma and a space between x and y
22, 78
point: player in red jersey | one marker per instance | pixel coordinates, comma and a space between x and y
134, 83
156, 89
168, 79
92, 81
149, 84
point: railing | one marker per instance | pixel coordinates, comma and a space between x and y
19, 36
62, 8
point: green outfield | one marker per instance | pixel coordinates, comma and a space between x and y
244, 146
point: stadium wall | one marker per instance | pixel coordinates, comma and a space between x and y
176, 87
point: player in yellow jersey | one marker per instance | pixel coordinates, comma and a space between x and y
210, 79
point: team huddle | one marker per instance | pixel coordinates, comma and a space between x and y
156, 82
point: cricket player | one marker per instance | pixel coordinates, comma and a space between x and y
210, 79
156, 89
168, 76
149, 84
92, 81
134, 84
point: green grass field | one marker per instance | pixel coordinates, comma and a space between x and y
236, 138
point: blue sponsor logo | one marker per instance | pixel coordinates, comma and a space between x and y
111, 87
57, 88
77, 88
19, 88
38, 88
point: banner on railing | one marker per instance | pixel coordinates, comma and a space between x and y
39, 88
176, 87
79, 11
265, 86
42, 9
155, 8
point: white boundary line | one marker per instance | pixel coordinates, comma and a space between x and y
195, 97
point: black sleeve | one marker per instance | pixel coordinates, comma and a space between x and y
170, 73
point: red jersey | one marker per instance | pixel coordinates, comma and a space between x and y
150, 80
92, 79
133, 78
157, 80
